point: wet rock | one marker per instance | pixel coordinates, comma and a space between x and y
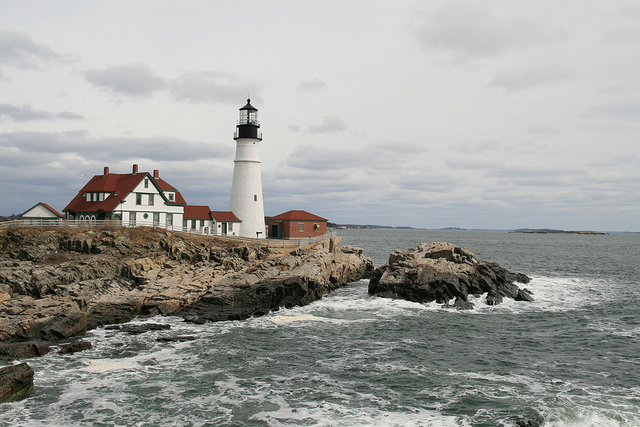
58, 283
441, 272
176, 338
75, 347
23, 350
136, 329
15, 382
461, 304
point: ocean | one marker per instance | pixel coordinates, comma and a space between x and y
570, 358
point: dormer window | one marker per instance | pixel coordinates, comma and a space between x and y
170, 196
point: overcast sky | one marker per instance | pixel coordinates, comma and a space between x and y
492, 114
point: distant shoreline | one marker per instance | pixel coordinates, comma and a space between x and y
545, 231
523, 230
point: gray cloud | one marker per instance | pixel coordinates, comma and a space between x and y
135, 79
530, 75
623, 109
206, 86
69, 116
82, 144
24, 113
472, 30
27, 113
311, 85
329, 124
542, 130
19, 50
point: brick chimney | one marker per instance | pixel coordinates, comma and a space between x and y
106, 170
156, 173
135, 169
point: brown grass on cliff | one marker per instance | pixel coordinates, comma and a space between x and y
22, 236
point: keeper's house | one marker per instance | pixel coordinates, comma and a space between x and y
39, 213
137, 197
296, 225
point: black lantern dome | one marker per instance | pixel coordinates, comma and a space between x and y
248, 123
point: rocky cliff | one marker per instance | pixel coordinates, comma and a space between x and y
55, 284
442, 272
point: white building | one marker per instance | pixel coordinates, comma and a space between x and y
135, 198
41, 213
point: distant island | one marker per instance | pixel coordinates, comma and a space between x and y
520, 230
552, 231
366, 227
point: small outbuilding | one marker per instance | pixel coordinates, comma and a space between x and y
296, 225
39, 213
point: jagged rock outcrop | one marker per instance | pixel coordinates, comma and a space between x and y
441, 272
16, 381
57, 283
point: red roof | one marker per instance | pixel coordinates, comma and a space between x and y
197, 212
119, 185
53, 211
298, 216
224, 216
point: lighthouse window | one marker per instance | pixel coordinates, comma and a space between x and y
255, 197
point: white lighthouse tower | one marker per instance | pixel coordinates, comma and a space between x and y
246, 189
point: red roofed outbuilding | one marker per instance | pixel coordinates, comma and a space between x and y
40, 212
296, 224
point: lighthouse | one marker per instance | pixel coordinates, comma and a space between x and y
246, 188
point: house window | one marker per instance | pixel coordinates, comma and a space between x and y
169, 219
202, 223
150, 200
230, 226
156, 218
193, 223
146, 183
184, 223
132, 218
138, 199
315, 228
301, 227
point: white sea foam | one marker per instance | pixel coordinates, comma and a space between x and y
330, 414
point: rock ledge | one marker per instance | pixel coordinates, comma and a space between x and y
441, 272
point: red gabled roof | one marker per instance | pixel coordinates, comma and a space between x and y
53, 211
165, 186
115, 183
197, 212
298, 216
224, 216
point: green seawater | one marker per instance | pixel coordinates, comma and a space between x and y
570, 358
